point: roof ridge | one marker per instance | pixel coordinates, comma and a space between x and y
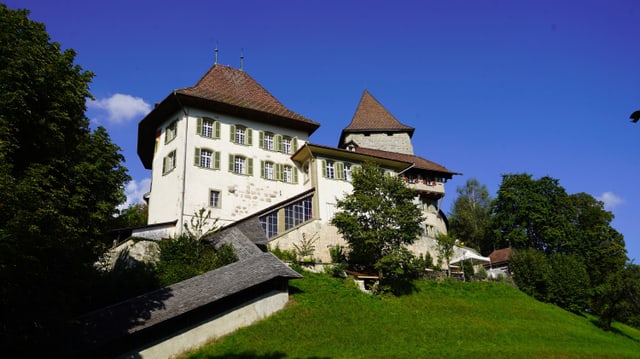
225, 84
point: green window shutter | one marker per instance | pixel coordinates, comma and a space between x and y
294, 145
250, 166
199, 126
164, 165
249, 134
231, 160
232, 137
339, 170
196, 158
216, 160
323, 163
294, 172
262, 170
261, 139
216, 129
279, 172
355, 168
278, 143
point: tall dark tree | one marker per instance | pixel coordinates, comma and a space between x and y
600, 246
529, 213
61, 182
470, 216
378, 218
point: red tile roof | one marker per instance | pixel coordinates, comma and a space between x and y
371, 116
235, 87
500, 255
419, 162
226, 90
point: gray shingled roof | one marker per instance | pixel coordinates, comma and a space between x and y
253, 268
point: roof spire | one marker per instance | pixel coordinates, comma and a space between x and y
216, 51
241, 60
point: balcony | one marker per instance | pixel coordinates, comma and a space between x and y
426, 186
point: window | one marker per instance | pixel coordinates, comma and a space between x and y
287, 174
267, 141
169, 162
328, 170
297, 213
241, 135
286, 145
338, 170
347, 171
241, 165
268, 170
171, 132
207, 158
270, 224
214, 198
208, 127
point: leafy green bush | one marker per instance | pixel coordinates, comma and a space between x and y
399, 269
183, 257
569, 285
283, 254
481, 274
337, 254
531, 272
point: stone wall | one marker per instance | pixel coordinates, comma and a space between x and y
394, 142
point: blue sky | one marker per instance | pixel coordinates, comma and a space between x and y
492, 87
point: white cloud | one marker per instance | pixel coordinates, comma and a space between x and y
135, 190
610, 200
120, 108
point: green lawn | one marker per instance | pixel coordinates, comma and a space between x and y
329, 318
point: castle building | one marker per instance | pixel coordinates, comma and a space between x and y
226, 144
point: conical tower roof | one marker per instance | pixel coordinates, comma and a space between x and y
372, 116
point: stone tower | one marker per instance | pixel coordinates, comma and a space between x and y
374, 127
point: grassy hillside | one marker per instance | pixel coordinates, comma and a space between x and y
329, 318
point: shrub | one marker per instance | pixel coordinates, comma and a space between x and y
337, 254
568, 283
283, 254
398, 269
183, 257
531, 272
481, 273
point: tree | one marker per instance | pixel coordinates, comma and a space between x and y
569, 285
572, 235
61, 183
531, 271
445, 247
600, 246
618, 297
136, 215
530, 213
470, 216
378, 218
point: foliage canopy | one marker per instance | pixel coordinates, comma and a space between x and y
470, 216
377, 219
60, 182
